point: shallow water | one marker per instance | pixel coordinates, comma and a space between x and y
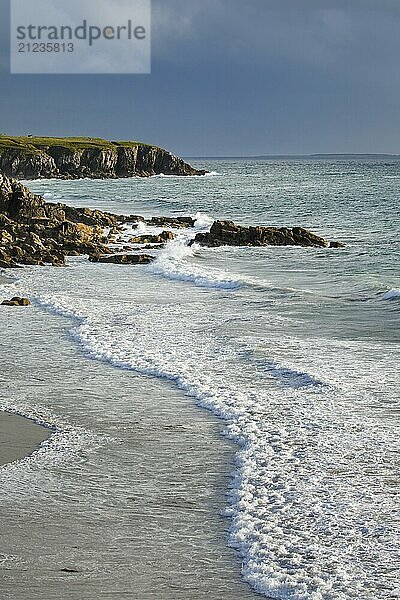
296, 349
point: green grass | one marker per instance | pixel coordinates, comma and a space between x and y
133, 144
33, 144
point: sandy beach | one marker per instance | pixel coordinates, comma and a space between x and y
19, 437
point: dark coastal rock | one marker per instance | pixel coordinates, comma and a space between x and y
6, 260
72, 158
165, 236
36, 232
134, 220
93, 218
15, 162
16, 301
115, 231
227, 233
123, 259
154, 247
69, 570
174, 222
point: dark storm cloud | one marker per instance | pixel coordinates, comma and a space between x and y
335, 35
231, 77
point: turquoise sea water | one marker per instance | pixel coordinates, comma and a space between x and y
297, 349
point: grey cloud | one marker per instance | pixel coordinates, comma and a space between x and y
320, 34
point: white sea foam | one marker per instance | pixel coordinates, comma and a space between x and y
174, 261
202, 221
177, 262
66, 442
301, 520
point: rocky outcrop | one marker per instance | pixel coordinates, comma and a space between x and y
175, 222
123, 259
16, 301
74, 158
165, 236
36, 232
227, 233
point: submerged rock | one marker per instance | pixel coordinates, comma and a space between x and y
175, 222
165, 236
69, 570
123, 259
227, 233
16, 301
154, 247
133, 220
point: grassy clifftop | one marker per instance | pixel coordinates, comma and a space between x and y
33, 144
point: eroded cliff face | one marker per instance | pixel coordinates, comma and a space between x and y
113, 161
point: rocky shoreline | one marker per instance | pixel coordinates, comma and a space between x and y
36, 232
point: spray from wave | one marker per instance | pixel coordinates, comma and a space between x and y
177, 260
174, 263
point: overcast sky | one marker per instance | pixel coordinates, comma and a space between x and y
233, 77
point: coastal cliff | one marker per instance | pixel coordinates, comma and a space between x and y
94, 158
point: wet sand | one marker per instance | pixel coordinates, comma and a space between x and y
19, 437
138, 517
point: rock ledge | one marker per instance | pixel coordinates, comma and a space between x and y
227, 233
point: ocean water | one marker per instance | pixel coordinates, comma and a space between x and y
295, 349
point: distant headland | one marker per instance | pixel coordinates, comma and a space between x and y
29, 157
320, 156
